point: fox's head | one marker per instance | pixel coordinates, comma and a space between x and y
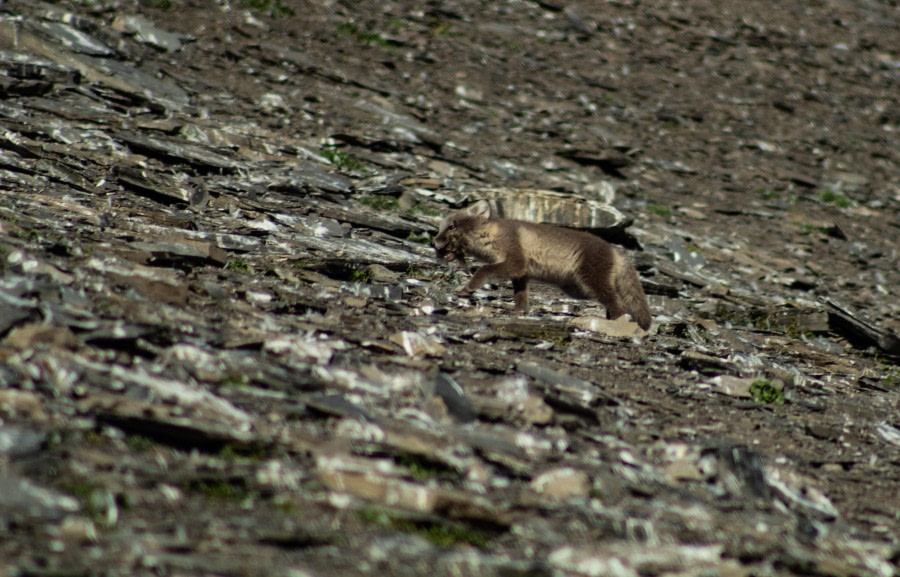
457, 228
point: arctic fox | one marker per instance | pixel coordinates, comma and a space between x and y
582, 264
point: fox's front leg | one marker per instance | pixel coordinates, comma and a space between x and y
484, 274
500, 270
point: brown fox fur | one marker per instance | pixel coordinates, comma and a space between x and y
582, 264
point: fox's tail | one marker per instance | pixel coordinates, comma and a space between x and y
629, 290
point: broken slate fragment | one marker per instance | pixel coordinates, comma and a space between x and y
380, 481
562, 484
186, 395
622, 327
31, 336
186, 433
326, 227
800, 494
403, 126
21, 498
303, 349
734, 386
147, 32
565, 389
550, 207
18, 440
305, 176
203, 158
12, 314
418, 345
741, 472
379, 291
454, 398
888, 433
14, 402
120, 76
337, 405
706, 364
157, 283
162, 188
171, 251
625, 559
860, 332
610, 162
543, 330
71, 38
23, 66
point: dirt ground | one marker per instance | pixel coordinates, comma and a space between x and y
753, 431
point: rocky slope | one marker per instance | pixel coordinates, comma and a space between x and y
226, 346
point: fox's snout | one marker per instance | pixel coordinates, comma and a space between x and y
441, 246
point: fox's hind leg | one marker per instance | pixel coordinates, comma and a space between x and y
596, 283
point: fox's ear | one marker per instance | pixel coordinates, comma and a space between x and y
482, 209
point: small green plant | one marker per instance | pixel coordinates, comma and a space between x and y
559, 340
792, 328
835, 198
237, 266
443, 276
763, 392
381, 202
219, 490
341, 159
397, 24
139, 443
670, 125
252, 451
441, 28
285, 504
235, 379
84, 492
659, 210
807, 228
422, 469
363, 37
361, 275
514, 46
374, 516
424, 209
444, 535
29, 235
274, 8
94, 438
81, 490
891, 377
158, 4
423, 238
228, 453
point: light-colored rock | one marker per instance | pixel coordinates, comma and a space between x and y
561, 484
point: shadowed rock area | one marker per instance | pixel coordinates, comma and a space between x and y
227, 348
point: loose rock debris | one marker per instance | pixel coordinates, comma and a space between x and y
226, 346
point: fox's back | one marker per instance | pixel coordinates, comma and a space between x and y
554, 254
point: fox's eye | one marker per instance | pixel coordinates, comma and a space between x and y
451, 226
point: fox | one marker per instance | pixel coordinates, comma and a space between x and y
581, 264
